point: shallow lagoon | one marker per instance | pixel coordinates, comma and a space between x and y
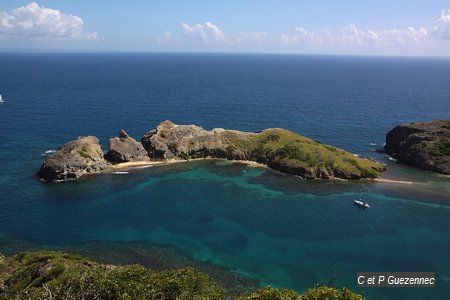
275, 228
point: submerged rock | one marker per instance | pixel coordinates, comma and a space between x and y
278, 148
424, 145
73, 160
125, 149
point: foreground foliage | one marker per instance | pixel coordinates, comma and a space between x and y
316, 293
56, 275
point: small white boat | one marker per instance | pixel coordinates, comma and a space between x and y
1, 99
121, 173
361, 204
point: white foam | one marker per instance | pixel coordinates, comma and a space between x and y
121, 173
48, 152
391, 158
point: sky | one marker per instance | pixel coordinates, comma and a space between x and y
351, 27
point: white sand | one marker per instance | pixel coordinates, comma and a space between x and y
249, 163
130, 165
384, 180
144, 163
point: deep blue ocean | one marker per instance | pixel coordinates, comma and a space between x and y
273, 228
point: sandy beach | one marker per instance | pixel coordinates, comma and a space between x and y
249, 163
134, 164
130, 165
384, 180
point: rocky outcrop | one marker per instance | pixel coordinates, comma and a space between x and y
73, 160
278, 148
85, 156
125, 149
169, 141
425, 145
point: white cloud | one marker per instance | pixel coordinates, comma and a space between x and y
348, 38
251, 38
441, 28
352, 35
203, 33
210, 34
34, 21
165, 38
302, 35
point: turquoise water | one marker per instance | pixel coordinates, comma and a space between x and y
271, 227
278, 229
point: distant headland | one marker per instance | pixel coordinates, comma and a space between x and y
276, 148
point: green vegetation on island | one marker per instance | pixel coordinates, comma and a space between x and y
57, 275
278, 148
83, 152
291, 151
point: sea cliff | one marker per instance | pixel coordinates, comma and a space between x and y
424, 145
278, 148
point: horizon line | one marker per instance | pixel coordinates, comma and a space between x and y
115, 51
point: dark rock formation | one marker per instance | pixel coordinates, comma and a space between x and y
125, 149
425, 145
74, 159
278, 148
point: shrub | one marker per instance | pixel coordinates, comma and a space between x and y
269, 293
330, 293
442, 147
64, 276
56, 275
83, 153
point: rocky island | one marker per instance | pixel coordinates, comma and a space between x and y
277, 148
424, 145
73, 160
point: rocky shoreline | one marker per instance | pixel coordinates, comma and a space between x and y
276, 148
425, 145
